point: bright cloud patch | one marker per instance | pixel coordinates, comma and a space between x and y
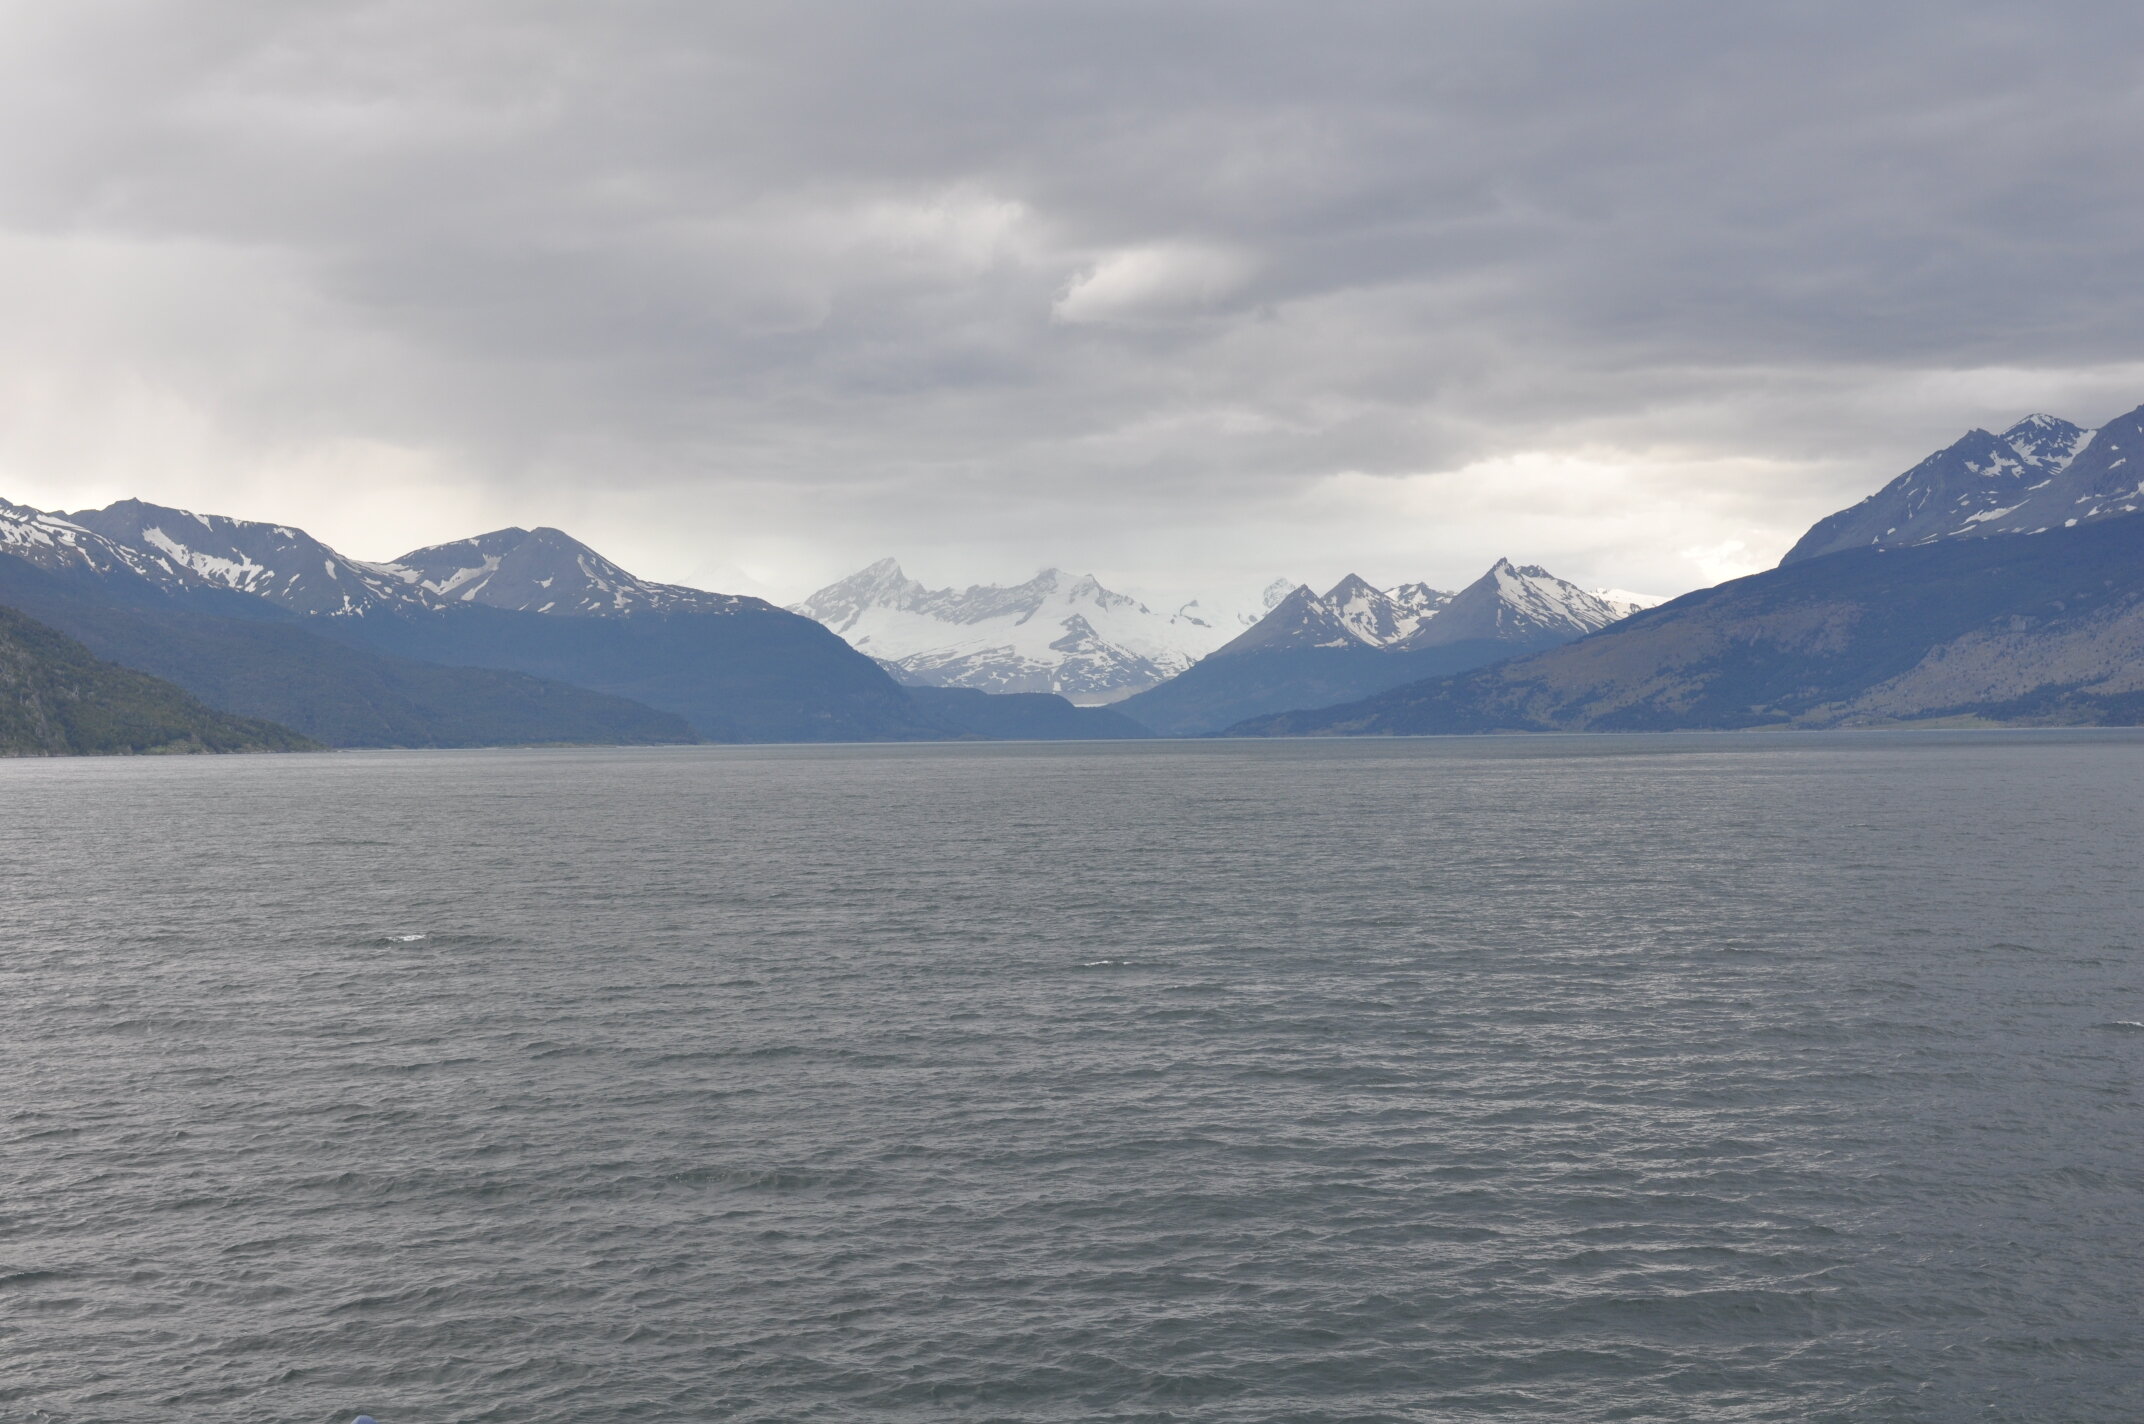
1146, 283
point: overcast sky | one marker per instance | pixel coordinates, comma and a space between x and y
1186, 294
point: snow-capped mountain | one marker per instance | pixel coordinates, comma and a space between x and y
1522, 604
1507, 604
572, 646
55, 542
272, 561
1313, 649
1303, 619
541, 571
1381, 617
1057, 632
2042, 473
535, 571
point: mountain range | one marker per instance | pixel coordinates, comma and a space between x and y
1058, 632
2000, 581
1354, 639
514, 636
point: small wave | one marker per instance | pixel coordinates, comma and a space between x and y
2124, 1026
404, 938
1098, 963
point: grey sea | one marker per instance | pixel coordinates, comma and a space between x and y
1605, 1078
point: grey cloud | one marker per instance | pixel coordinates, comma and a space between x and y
1109, 284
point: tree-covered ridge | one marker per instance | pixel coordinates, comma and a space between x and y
58, 700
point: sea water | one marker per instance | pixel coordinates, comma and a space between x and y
1651, 1078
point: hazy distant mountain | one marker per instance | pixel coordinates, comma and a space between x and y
1057, 632
57, 699
1313, 650
2042, 473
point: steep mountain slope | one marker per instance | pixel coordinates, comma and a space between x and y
2042, 473
1055, 633
56, 699
1352, 615
536, 602
1510, 604
1314, 650
2041, 629
245, 656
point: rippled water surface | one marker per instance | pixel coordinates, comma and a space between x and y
1735, 1078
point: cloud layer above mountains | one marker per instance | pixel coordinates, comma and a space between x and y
1185, 293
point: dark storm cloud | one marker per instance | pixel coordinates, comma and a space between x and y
1225, 286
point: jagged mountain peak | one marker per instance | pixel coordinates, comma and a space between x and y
1419, 599
1302, 619
1368, 612
877, 585
2037, 474
1509, 602
2045, 436
1314, 649
1517, 603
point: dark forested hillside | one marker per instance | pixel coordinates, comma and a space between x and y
56, 699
